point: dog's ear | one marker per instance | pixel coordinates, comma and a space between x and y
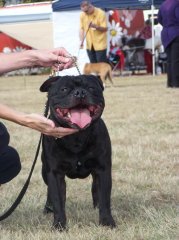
96, 78
47, 84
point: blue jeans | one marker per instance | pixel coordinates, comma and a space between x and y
97, 56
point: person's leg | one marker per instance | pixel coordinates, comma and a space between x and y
101, 56
10, 164
92, 55
148, 60
169, 68
175, 62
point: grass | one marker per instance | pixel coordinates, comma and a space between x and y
142, 116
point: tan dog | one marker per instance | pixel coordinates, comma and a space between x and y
102, 69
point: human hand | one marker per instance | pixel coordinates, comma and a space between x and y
57, 58
92, 25
46, 126
81, 46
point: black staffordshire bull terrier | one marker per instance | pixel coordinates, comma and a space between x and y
77, 102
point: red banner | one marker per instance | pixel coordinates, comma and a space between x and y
124, 23
9, 44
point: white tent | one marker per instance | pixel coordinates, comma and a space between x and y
66, 34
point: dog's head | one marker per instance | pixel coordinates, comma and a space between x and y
75, 101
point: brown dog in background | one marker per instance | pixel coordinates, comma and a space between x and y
102, 69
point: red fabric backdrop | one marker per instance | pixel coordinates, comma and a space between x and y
124, 23
9, 44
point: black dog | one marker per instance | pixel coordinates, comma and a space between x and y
77, 102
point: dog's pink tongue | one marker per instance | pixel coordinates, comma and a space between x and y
80, 117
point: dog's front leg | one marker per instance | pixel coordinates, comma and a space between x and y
57, 193
105, 184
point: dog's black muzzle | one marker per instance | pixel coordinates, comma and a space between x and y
80, 93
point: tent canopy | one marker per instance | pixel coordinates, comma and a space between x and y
69, 5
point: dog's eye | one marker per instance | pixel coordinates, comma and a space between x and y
64, 89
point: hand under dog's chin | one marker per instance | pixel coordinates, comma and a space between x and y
68, 124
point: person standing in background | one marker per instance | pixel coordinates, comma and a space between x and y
168, 17
93, 28
146, 34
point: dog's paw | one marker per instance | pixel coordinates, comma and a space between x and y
107, 221
60, 226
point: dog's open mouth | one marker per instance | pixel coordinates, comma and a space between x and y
79, 116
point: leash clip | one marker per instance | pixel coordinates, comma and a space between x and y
52, 73
55, 73
75, 63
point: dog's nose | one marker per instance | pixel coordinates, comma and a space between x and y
80, 93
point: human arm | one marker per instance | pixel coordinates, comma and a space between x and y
81, 36
99, 28
31, 58
34, 121
101, 23
177, 12
160, 17
142, 32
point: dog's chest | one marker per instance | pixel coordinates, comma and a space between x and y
77, 157
75, 145
77, 167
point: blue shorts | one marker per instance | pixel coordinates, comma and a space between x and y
10, 164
